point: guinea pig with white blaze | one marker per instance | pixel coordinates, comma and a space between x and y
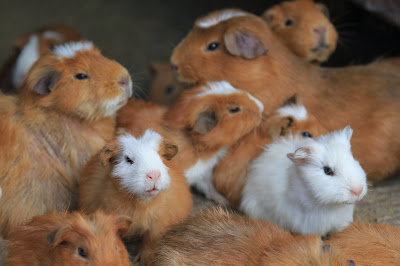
132, 177
304, 185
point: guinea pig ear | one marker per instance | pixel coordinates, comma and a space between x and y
58, 236
294, 100
268, 17
109, 153
244, 43
281, 127
46, 84
301, 155
324, 9
153, 68
169, 150
205, 122
123, 223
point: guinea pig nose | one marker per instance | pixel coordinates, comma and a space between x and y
357, 191
125, 83
174, 67
319, 30
154, 175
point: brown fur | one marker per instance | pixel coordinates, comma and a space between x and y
45, 45
230, 174
46, 139
373, 244
365, 97
151, 218
216, 237
300, 37
54, 239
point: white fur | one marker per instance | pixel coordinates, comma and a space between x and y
112, 106
28, 56
52, 35
299, 112
299, 196
1, 192
144, 154
70, 49
214, 20
200, 176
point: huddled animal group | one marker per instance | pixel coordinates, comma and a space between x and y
243, 113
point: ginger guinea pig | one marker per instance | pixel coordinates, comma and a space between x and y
63, 115
70, 239
216, 237
304, 27
28, 49
132, 177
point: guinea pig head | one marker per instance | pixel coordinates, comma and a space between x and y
304, 27
76, 79
90, 240
137, 163
329, 170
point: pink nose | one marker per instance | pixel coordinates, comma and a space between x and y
124, 82
357, 191
174, 67
154, 175
321, 30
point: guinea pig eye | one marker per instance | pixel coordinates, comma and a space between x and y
235, 110
128, 160
81, 76
306, 134
213, 46
82, 252
289, 22
328, 171
169, 89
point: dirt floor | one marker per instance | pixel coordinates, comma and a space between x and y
137, 32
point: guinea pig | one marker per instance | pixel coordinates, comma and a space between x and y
203, 122
371, 244
216, 237
245, 52
133, 177
304, 27
64, 114
292, 118
304, 185
27, 50
70, 239
164, 87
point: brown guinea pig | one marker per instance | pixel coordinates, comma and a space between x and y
292, 118
70, 239
164, 87
304, 27
63, 115
133, 177
216, 237
28, 49
245, 52
373, 244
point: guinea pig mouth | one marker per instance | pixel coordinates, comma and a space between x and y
321, 47
152, 191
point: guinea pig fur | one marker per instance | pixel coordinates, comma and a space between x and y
292, 118
372, 244
304, 27
70, 239
272, 73
304, 185
64, 114
136, 181
27, 50
203, 122
216, 237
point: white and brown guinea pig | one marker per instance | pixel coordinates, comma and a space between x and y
164, 87
27, 50
304, 27
133, 177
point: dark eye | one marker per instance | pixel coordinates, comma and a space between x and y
212, 46
81, 76
128, 160
289, 22
306, 134
328, 171
235, 110
169, 89
83, 253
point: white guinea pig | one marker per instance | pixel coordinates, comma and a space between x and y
304, 185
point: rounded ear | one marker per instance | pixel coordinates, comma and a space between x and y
268, 17
324, 9
169, 150
244, 43
46, 84
295, 99
109, 153
205, 122
123, 223
58, 236
281, 127
301, 155
153, 68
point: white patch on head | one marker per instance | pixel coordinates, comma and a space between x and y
52, 35
28, 56
215, 19
70, 49
144, 154
299, 112
257, 101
